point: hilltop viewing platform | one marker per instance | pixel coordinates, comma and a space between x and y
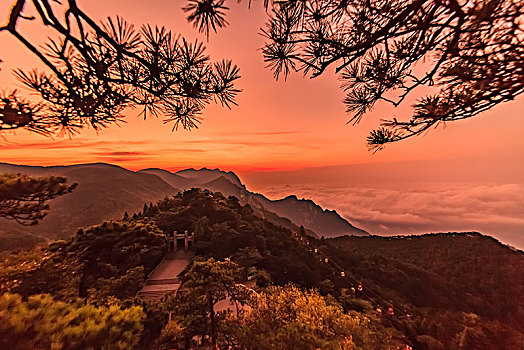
164, 278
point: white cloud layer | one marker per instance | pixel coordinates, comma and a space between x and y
496, 210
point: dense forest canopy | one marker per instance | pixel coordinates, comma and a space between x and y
446, 291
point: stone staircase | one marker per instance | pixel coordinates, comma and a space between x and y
162, 281
164, 278
181, 254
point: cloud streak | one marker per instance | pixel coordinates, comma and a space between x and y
76, 143
122, 153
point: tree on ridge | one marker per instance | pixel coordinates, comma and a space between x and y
24, 198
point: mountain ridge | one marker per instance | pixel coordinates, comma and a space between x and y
106, 191
323, 222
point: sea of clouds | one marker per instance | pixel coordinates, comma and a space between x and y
496, 210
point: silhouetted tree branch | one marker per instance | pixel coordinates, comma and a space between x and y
24, 199
95, 71
472, 51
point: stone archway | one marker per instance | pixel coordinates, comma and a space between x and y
180, 241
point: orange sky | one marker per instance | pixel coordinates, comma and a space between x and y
277, 125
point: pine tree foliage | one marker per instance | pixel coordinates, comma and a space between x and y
94, 71
44, 323
25, 199
471, 52
205, 283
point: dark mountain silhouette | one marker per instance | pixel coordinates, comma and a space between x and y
205, 174
304, 212
106, 191
324, 222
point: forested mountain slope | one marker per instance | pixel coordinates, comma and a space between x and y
108, 262
303, 212
446, 291
437, 277
107, 191
449, 291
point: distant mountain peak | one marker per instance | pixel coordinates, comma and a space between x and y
206, 175
221, 179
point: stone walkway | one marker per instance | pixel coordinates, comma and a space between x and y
164, 278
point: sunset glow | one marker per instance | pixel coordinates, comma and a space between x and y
276, 126
277, 174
